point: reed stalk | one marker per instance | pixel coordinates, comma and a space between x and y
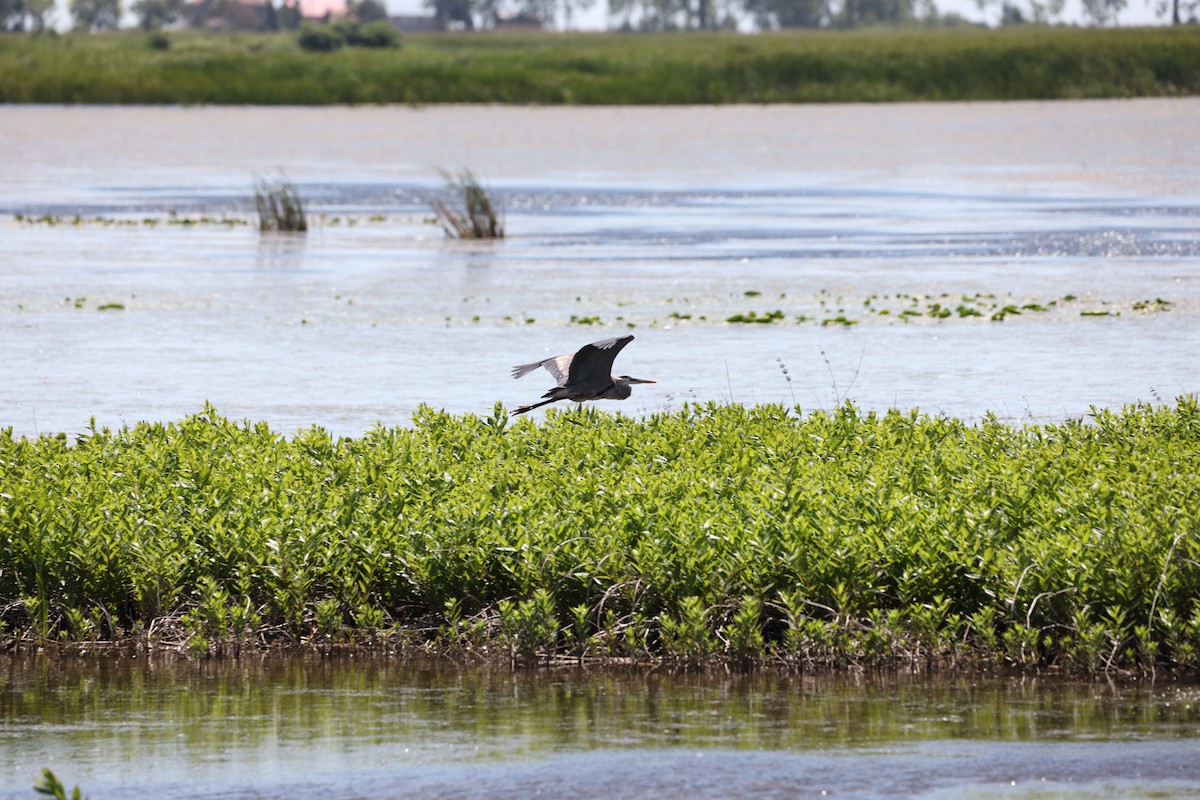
473, 216
280, 208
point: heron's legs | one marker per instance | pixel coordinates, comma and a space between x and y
532, 406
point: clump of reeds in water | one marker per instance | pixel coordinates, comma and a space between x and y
279, 207
474, 217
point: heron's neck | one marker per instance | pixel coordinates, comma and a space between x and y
621, 389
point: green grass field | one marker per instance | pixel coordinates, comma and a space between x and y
712, 533
693, 68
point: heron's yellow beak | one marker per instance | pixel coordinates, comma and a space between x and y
638, 380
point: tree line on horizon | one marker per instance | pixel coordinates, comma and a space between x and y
623, 15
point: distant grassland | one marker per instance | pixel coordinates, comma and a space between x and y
603, 68
726, 533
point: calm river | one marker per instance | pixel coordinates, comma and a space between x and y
369, 729
859, 225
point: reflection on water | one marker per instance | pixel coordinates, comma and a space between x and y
305, 728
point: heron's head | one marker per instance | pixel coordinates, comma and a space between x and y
631, 381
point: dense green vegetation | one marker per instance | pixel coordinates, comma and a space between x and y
713, 532
875, 65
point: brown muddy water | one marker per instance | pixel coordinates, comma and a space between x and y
377, 729
858, 224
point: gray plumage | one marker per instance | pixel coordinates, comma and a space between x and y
583, 375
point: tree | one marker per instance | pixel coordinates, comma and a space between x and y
1178, 8
622, 8
789, 13
1103, 12
872, 12
669, 15
1036, 11
537, 13
288, 17
24, 15
96, 15
541, 11
368, 11
452, 14
155, 14
663, 15
702, 15
570, 6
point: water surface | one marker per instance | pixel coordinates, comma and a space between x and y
662, 222
363, 728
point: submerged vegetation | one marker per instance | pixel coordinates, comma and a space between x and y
713, 533
875, 65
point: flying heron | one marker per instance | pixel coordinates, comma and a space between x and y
586, 375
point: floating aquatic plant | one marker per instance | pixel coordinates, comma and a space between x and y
51, 786
755, 317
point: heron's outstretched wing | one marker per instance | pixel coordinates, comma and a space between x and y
558, 366
592, 365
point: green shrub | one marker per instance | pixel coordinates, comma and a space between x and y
746, 535
327, 38
319, 38
373, 34
51, 786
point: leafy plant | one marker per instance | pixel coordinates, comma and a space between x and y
688, 635
51, 786
315, 38
379, 33
755, 317
319, 38
743, 635
710, 533
530, 626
